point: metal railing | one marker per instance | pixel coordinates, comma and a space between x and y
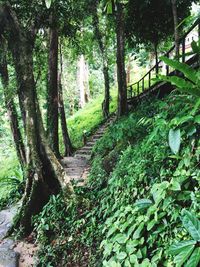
145, 83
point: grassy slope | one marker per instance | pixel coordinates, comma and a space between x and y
88, 118
132, 162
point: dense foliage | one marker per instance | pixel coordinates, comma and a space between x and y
130, 212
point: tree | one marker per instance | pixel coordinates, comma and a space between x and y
66, 139
121, 73
102, 48
52, 92
150, 22
44, 174
176, 34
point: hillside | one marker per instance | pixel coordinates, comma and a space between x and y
138, 193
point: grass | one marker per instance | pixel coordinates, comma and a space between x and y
88, 119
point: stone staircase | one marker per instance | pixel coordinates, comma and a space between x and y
21, 254
77, 167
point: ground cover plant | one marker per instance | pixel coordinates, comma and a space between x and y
141, 205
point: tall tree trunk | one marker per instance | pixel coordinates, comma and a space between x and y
83, 81
102, 49
52, 97
176, 33
10, 106
106, 102
65, 134
45, 176
121, 73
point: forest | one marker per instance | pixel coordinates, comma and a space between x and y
99, 133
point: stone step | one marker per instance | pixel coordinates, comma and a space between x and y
84, 151
96, 138
91, 143
87, 147
82, 156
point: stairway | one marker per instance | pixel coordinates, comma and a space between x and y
77, 167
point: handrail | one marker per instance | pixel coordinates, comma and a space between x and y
156, 66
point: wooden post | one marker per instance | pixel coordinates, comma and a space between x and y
183, 50
131, 91
167, 67
138, 88
143, 85
149, 79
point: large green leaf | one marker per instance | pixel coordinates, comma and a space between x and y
143, 203
48, 3
121, 256
120, 238
192, 224
184, 68
194, 259
175, 140
183, 85
130, 246
178, 247
181, 258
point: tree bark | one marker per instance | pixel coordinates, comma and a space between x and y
45, 176
66, 139
102, 49
52, 94
176, 33
10, 106
121, 73
83, 81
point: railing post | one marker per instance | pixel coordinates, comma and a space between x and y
131, 91
149, 79
138, 88
183, 50
167, 67
143, 85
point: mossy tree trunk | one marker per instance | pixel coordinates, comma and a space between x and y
44, 175
66, 139
52, 92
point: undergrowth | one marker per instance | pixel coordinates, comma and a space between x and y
131, 211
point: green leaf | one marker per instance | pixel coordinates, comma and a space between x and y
120, 238
151, 224
121, 256
183, 67
175, 185
130, 246
178, 247
48, 3
194, 259
109, 7
192, 224
175, 140
195, 47
197, 119
183, 255
138, 231
143, 203
133, 259
183, 85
